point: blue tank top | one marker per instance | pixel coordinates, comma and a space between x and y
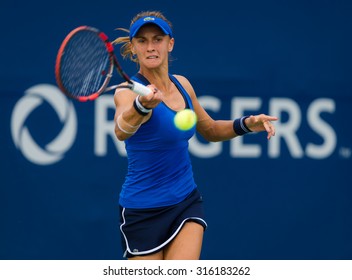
159, 167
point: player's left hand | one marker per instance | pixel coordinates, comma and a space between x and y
262, 122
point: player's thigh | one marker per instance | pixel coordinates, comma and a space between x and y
187, 244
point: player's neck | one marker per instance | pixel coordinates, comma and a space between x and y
158, 77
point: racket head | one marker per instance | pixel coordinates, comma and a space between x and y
84, 63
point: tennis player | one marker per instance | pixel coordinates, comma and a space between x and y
161, 208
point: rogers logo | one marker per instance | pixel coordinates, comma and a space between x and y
55, 150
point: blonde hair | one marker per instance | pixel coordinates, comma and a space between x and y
126, 48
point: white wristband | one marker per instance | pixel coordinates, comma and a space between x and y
141, 107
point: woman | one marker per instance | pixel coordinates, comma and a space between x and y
161, 207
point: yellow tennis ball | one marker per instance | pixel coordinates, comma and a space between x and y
185, 119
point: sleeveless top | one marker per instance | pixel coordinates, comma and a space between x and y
159, 167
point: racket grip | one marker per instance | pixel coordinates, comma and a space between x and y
140, 89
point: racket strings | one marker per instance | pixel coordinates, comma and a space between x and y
85, 64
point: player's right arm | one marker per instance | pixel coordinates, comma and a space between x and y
127, 118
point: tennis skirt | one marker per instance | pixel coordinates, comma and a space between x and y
147, 231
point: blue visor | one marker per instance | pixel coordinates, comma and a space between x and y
164, 26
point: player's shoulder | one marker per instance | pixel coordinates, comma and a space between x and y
185, 83
181, 79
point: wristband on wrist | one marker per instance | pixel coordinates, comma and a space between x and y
140, 108
239, 126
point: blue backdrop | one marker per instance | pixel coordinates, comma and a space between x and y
288, 198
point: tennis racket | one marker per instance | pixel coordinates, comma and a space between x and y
85, 63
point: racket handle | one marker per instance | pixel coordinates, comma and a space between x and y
140, 89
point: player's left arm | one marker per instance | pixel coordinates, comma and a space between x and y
221, 130
210, 129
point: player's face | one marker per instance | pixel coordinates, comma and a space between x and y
152, 46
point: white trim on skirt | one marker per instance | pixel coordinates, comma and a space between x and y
158, 247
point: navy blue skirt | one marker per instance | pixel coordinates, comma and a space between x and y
147, 231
